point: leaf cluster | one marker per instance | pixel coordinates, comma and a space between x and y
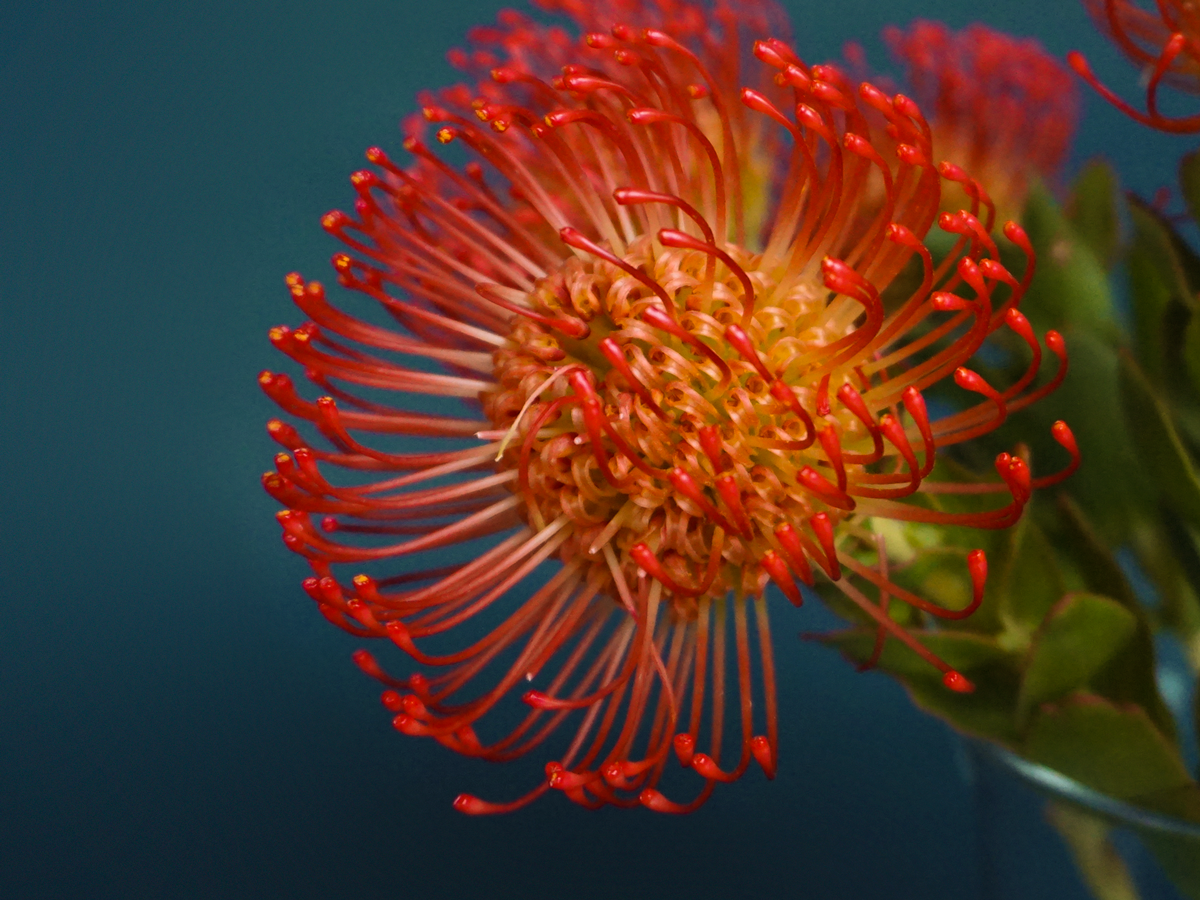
1063, 649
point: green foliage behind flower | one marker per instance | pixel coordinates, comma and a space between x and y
1063, 649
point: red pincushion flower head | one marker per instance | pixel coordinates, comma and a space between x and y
1165, 42
1000, 107
657, 285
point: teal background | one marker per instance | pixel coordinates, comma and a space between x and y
175, 718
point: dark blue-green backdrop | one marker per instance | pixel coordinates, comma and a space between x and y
175, 718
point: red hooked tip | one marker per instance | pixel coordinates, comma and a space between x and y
707, 768
536, 699
1017, 235
912, 156
967, 379
948, 221
836, 273
760, 749
366, 662
473, 806
768, 54
419, 683
1015, 319
951, 172
874, 97
391, 701
740, 341
710, 443
819, 485
823, 529
977, 566
642, 554
906, 106
1079, 63
1065, 437
810, 118
957, 682
652, 799
644, 116
685, 748
334, 220
944, 301
775, 567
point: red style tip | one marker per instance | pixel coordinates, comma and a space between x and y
472, 806
652, 799
760, 749
1079, 63
1062, 433
685, 748
957, 682
536, 699
977, 566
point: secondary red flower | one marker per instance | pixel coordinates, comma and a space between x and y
1164, 41
650, 314
999, 106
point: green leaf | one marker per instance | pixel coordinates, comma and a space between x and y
1079, 636
1179, 857
1163, 276
1092, 210
1116, 750
1098, 567
1029, 582
1196, 710
1129, 678
986, 713
1171, 257
1089, 839
1071, 286
1189, 182
1191, 351
1171, 558
1160, 452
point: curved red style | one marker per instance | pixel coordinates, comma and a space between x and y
1163, 41
656, 291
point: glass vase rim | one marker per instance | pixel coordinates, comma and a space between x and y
1064, 787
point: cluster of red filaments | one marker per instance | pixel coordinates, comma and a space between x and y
1164, 42
667, 291
1000, 107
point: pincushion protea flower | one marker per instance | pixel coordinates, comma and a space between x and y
1000, 107
696, 374
1165, 42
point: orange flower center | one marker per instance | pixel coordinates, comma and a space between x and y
668, 428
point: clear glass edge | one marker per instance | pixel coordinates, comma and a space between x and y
1062, 787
